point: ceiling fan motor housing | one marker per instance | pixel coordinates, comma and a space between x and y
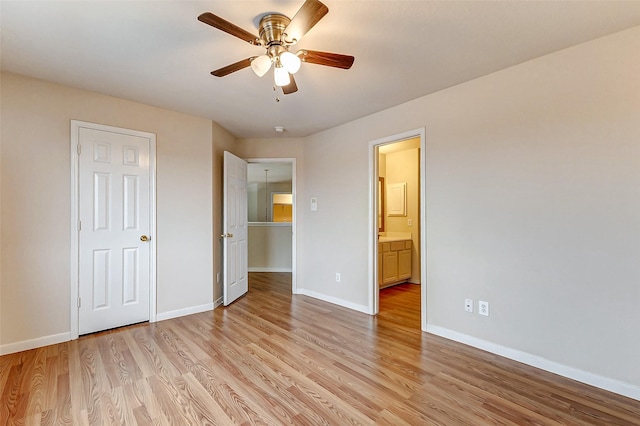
272, 27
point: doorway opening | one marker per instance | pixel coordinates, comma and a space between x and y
397, 250
271, 192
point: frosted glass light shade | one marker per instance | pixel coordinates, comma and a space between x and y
290, 61
261, 65
281, 76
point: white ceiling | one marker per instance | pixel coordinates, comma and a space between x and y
158, 53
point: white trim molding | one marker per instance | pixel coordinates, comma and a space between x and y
184, 312
612, 385
26, 345
334, 300
264, 269
218, 302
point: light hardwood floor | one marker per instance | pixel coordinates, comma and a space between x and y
274, 358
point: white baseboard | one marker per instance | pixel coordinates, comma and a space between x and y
218, 302
26, 345
612, 385
334, 300
262, 269
185, 311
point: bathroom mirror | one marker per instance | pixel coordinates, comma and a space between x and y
381, 204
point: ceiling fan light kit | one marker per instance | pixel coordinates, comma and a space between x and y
281, 76
277, 34
290, 62
261, 64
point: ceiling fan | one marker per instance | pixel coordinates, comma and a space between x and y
277, 34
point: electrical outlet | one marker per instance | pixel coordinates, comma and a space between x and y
409, 222
483, 308
468, 305
338, 277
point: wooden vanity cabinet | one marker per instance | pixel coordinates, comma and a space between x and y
389, 267
394, 262
404, 263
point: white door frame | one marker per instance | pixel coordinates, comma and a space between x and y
374, 292
294, 280
75, 205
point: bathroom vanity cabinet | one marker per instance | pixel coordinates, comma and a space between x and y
394, 262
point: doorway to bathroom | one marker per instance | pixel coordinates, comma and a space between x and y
397, 260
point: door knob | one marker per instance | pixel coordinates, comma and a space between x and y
144, 238
228, 235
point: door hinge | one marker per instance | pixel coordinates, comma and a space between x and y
79, 225
79, 149
79, 302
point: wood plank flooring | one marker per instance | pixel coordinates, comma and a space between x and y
273, 358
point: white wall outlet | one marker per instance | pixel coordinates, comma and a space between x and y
409, 222
314, 204
468, 305
338, 277
483, 308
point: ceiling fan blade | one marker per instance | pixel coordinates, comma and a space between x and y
292, 87
232, 68
228, 27
308, 15
326, 58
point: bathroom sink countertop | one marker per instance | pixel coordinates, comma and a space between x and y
391, 239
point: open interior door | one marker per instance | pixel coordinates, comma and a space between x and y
234, 229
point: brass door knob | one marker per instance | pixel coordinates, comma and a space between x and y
144, 238
228, 235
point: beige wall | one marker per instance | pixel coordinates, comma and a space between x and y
270, 247
532, 204
272, 148
35, 176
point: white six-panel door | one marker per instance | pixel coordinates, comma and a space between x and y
235, 229
114, 250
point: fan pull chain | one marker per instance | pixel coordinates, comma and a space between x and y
277, 97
